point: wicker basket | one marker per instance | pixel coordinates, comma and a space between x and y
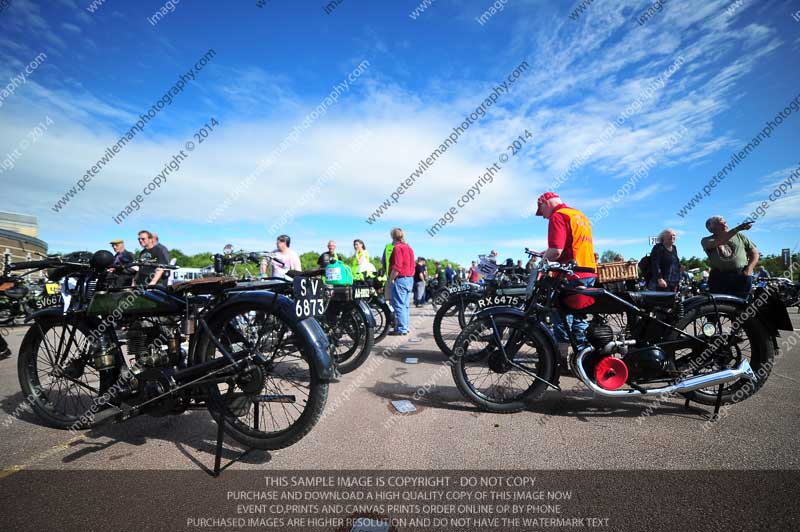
617, 271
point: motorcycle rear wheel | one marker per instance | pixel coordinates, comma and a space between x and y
478, 359
350, 336
277, 403
755, 344
383, 318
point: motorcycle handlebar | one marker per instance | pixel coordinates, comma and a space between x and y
29, 265
153, 265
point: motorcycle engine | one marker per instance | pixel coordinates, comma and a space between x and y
148, 343
599, 333
648, 363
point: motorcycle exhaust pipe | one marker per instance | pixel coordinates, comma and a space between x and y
743, 370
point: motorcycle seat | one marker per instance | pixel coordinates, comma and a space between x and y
204, 285
652, 298
15, 292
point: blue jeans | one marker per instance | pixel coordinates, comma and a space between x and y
401, 293
577, 325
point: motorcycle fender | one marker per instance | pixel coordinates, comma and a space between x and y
363, 308
55, 312
309, 329
696, 301
772, 313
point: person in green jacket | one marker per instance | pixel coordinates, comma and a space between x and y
385, 258
361, 265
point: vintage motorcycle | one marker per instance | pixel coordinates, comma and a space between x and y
503, 286
382, 312
111, 354
19, 299
342, 311
713, 349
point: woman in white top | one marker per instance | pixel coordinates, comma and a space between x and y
290, 259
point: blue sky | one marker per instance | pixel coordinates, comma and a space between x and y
740, 65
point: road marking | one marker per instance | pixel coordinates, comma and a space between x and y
41, 456
787, 378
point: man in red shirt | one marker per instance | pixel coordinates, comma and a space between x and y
569, 237
474, 274
401, 280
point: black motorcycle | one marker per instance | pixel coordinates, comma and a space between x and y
382, 312
261, 370
713, 349
20, 298
342, 311
502, 286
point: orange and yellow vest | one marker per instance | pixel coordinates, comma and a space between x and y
581, 230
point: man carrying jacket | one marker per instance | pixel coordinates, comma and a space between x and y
569, 237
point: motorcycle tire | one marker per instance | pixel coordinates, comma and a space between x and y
761, 357
516, 335
61, 403
450, 320
289, 370
349, 323
384, 318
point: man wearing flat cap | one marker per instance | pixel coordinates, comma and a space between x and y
569, 237
122, 258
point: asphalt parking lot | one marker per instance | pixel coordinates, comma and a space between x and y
360, 431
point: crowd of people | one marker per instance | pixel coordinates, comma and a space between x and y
732, 258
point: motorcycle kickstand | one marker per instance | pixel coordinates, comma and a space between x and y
218, 468
715, 417
717, 405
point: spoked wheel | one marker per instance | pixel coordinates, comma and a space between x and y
450, 320
57, 376
750, 342
351, 338
383, 318
280, 397
502, 367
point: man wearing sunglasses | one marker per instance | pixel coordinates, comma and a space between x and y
150, 275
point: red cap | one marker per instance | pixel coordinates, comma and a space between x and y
544, 197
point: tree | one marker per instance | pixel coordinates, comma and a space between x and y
609, 255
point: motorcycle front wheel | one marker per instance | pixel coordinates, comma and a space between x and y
57, 375
451, 318
272, 404
502, 365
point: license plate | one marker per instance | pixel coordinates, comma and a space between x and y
309, 301
48, 301
497, 301
52, 289
361, 293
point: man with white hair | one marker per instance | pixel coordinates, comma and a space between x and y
731, 255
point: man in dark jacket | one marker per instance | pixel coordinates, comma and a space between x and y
149, 275
122, 258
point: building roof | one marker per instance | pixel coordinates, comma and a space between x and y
18, 218
4, 233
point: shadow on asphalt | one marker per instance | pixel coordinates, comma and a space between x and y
13, 407
578, 404
193, 433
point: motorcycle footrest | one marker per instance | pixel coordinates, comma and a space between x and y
110, 414
275, 398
